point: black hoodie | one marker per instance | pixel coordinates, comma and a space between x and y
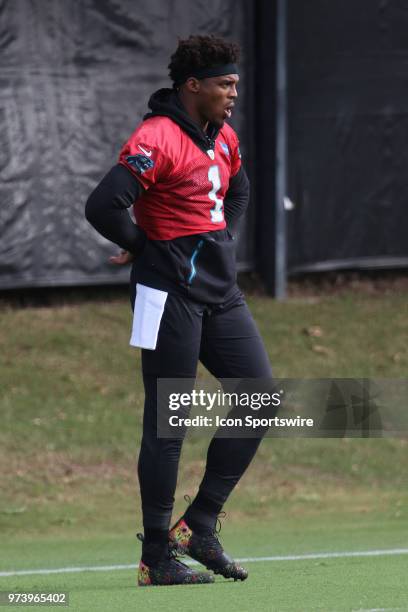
200, 266
166, 103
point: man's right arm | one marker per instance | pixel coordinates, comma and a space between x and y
106, 209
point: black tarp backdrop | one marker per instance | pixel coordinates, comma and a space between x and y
348, 122
75, 77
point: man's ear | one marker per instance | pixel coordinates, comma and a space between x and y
192, 85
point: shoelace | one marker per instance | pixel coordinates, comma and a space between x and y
217, 527
172, 554
212, 540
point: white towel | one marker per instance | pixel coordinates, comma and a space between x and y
148, 311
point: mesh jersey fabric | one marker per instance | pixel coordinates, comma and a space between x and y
184, 185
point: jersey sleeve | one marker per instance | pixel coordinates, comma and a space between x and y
144, 155
235, 154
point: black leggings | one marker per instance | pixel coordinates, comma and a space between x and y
226, 340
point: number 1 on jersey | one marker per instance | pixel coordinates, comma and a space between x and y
217, 213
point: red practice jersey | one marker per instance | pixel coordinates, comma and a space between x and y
184, 185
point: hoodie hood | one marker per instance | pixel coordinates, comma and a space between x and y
166, 103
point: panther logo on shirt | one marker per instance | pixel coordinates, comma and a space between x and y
140, 162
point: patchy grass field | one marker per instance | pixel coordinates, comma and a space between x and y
71, 404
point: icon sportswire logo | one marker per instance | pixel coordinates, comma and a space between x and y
148, 153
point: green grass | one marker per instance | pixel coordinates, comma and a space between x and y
71, 402
314, 584
70, 376
303, 585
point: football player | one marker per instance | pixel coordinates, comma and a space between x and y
181, 171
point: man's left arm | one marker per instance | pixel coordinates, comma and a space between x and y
236, 199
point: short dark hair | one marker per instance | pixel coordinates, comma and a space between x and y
198, 52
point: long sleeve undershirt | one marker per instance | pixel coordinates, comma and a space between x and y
106, 207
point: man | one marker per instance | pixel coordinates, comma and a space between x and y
181, 169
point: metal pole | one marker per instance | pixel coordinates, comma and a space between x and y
281, 152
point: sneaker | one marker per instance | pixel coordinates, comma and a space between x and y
206, 549
170, 571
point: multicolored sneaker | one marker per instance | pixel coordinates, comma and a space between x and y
169, 571
206, 549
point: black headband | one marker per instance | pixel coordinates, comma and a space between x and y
214, 71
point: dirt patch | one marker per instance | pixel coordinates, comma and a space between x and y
312, 285
56, 467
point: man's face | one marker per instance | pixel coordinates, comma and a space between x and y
216, 97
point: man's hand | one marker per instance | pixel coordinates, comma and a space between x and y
122, 259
